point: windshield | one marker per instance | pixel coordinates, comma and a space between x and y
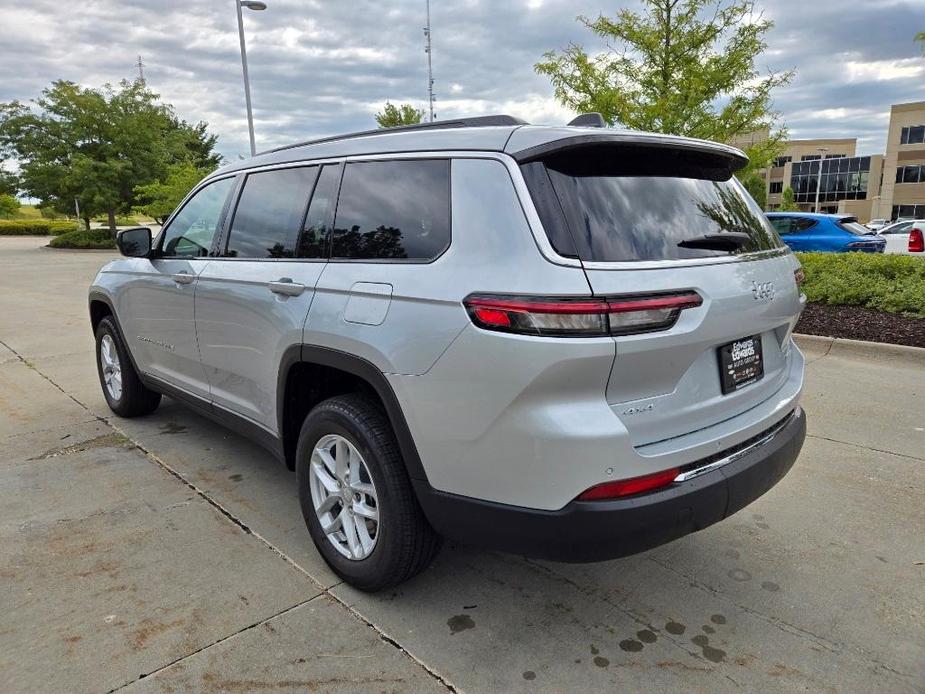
640, 205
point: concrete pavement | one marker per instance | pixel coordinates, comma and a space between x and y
166, 553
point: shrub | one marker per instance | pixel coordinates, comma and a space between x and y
9, 206
34, 227
120, 221
81, 238
892, 283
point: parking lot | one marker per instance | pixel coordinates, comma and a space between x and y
168, 554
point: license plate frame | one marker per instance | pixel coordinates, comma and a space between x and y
741, 363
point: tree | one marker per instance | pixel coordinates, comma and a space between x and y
404, 114
9, 205
684, 67
9, 183
97, 145
920, 36
787, 204
755, 185
159, 198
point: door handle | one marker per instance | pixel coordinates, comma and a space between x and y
286, 287
183, 277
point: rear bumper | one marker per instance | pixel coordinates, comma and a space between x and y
597, 530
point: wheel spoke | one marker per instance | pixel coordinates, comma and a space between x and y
342, 457
362, 509
328, 461
327, 504
350, 530
363, 488
327, 481
335, 524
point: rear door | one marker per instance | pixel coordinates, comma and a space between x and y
667, 221
253, 299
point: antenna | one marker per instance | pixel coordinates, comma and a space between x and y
141, 69
430, 69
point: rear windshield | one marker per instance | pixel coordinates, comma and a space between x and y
855, 228
619, 204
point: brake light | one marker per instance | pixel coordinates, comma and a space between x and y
584, 317
916, 241
635, 485
799, 276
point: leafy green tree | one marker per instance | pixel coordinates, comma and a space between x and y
684, 67
787, 203
160, 198
755, 185
9, 205
403, 114
9, 183
97, 145
920, 36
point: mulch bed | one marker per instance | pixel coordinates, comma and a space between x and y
859, 323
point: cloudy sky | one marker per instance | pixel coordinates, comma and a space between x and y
321, 67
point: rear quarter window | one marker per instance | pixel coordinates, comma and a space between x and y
393, 210
638, 204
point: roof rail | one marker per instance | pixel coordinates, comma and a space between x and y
475, 122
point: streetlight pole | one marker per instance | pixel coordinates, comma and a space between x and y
822, 151
256, 6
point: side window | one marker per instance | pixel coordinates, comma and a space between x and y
802, 224
314, 240
268, 218
393, 209
190, 233
781, 224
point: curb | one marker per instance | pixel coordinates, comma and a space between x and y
859, 349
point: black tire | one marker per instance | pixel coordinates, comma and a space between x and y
135, 399
405, 542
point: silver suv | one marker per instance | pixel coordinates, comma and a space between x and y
566, 342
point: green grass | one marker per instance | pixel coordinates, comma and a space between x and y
891, 283
95, 238
28, 212
34, 227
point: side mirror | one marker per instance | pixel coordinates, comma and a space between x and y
134, 242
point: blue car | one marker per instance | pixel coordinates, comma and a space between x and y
832, 233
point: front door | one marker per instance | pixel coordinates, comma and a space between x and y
156, 308
252, 300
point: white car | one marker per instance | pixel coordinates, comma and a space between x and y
897, 235
877, 224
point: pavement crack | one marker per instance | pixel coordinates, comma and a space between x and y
823, 355
216, 642
866, 448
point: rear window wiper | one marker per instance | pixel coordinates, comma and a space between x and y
728, 241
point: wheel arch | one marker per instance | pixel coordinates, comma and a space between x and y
352, 374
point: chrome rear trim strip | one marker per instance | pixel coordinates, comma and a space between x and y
737, 454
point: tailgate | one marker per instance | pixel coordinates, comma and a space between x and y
665, 384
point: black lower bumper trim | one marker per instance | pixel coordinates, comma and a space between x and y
596, 530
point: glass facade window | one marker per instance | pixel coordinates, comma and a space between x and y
776, 187
916, 211
912, 134
835, 156
910, 174
780, 161
810, 157
843, 178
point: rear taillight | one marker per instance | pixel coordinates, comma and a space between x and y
635, 485
916, 241
591, 317
799, 276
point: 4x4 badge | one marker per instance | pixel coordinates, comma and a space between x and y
763, 290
